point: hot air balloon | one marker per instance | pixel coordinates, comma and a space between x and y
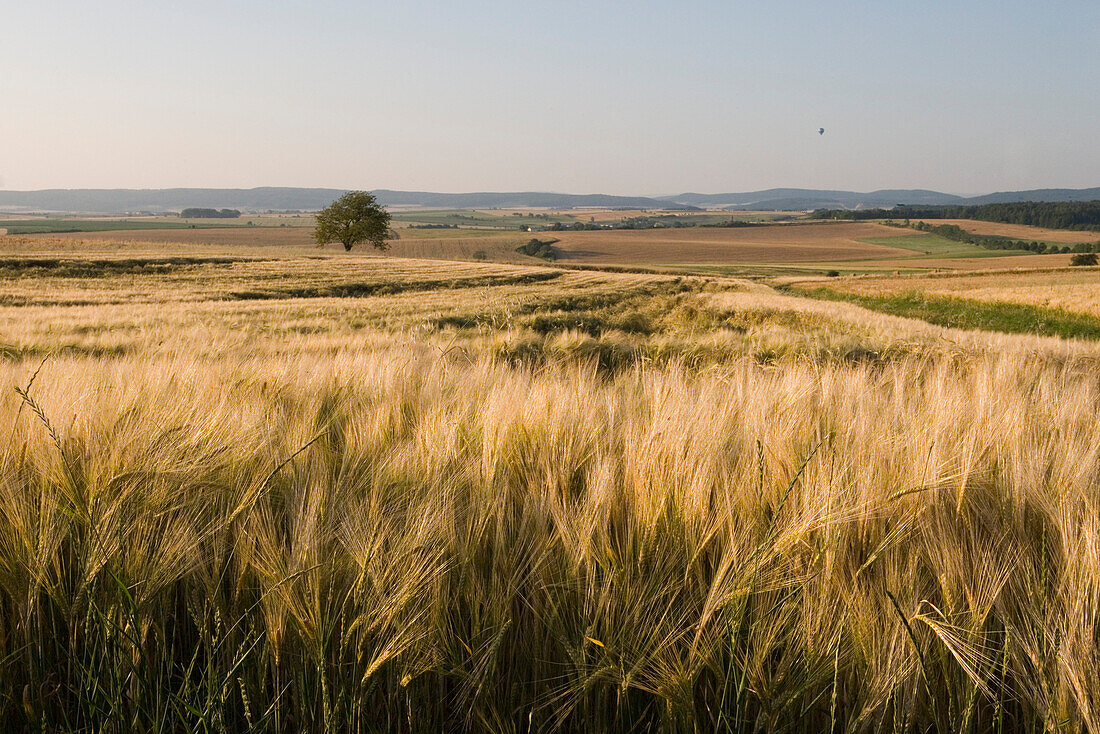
821, 131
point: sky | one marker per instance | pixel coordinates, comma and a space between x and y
648, 97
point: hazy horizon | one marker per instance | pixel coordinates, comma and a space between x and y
648, 99
653, 195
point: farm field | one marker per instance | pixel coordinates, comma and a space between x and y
777, 244
1061, 302
796, 247
51, 225
549, 368
477, 218
1018, 231
934, 246
610, 215
443, 243
1067, 289
534, 217
47, 226
217, 235
390, 492
923, 265
136, 297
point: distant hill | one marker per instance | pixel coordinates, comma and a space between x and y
1006, 197
505, 200
795, 199
120, 201
803, 199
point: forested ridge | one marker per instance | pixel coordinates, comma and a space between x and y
1075, 215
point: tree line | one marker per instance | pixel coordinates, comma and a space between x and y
199, 213
1074, 215
994, 242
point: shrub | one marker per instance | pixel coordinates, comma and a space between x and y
1084, 258
537, 248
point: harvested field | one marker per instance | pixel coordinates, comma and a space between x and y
770, 244
998, 260
614, 215
247, 236
1018, 231
862, 246
446, 244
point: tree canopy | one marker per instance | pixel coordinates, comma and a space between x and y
199, 213
1079, 215
354, 218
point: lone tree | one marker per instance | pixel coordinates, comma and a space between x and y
353, 218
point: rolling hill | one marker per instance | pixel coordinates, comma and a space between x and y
269, 198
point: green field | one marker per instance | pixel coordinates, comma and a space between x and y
120, 224
45, 226
935, 246
48, 226
962, 313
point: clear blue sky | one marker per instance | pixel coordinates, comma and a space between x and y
644, 97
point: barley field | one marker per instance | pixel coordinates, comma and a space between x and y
274, 489
1074, 289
